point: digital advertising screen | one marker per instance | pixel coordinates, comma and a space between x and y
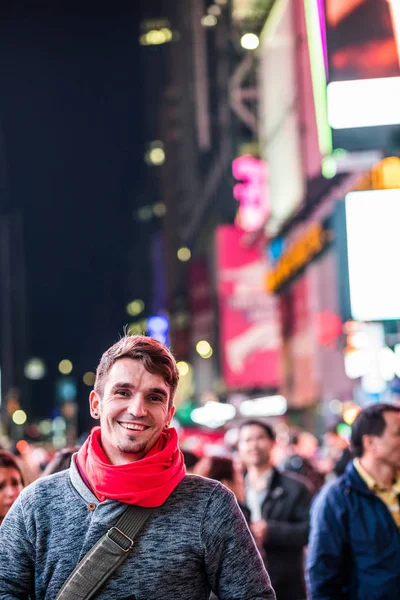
363, 49
373, 246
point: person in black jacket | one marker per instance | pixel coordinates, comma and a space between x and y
279, 506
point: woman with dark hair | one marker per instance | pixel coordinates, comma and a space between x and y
11, 482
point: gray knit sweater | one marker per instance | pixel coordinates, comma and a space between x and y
196, 541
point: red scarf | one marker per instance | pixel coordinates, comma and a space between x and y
146, 482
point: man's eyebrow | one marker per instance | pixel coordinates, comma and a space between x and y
160, 391
122, 384
130, 386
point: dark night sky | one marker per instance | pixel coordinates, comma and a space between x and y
70, 110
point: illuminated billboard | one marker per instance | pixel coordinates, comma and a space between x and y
372, 219
364, 62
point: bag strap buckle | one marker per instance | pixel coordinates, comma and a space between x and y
131, 542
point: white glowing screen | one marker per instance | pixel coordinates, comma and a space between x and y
364, 102
373, 245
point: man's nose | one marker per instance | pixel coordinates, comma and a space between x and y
137, 405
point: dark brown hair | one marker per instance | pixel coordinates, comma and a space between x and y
154, 356
370, 421
220, 468
8, 461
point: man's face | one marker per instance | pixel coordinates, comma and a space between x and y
254, 446
387, 447
133, 411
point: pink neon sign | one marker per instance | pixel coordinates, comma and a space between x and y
251, 192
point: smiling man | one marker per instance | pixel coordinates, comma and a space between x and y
195, 541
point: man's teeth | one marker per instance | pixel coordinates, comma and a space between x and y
133, 427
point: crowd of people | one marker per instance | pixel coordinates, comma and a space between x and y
255, 524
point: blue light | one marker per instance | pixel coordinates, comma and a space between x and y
158, 328
275, 249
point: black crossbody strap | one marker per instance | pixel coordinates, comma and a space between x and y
97, 566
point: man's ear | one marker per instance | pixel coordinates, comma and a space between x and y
94, 403
171, 413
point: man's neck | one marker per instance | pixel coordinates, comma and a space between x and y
382, 473
256, 473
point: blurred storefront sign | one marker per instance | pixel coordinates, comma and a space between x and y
249, 318
301, 251
384, 175
299, 355
251, 193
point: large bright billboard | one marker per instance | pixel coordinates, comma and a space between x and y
364, 62
372, 231
250, 337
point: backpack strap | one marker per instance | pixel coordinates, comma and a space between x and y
97, 566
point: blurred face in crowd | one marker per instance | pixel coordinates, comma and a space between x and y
133, 410
255, 446
10, 488
386, 448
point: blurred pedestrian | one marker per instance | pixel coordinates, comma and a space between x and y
221, 468
11, 482
60, 461
337, 451
194, 539
190, 460
279, 508
298, 460
354, 550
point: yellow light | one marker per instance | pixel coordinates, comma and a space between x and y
89, 378
184, 254
65, 366
167, 34
350, 414
155, 37
156, 156
183, 368
137, 327
204, 349
249, 41
159, 209
208, 354
214, 10
209, 21
135, 307
19, 417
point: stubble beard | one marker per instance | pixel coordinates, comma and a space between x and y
134, 447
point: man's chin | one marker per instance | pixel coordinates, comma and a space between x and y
134, 448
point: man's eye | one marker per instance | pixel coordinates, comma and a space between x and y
122, 393
156, 399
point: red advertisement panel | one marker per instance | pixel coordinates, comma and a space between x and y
363, 38
249, 317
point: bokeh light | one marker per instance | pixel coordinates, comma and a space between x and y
249, 41
184, 254
135, 307
65, 366
19, 417
89, 378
